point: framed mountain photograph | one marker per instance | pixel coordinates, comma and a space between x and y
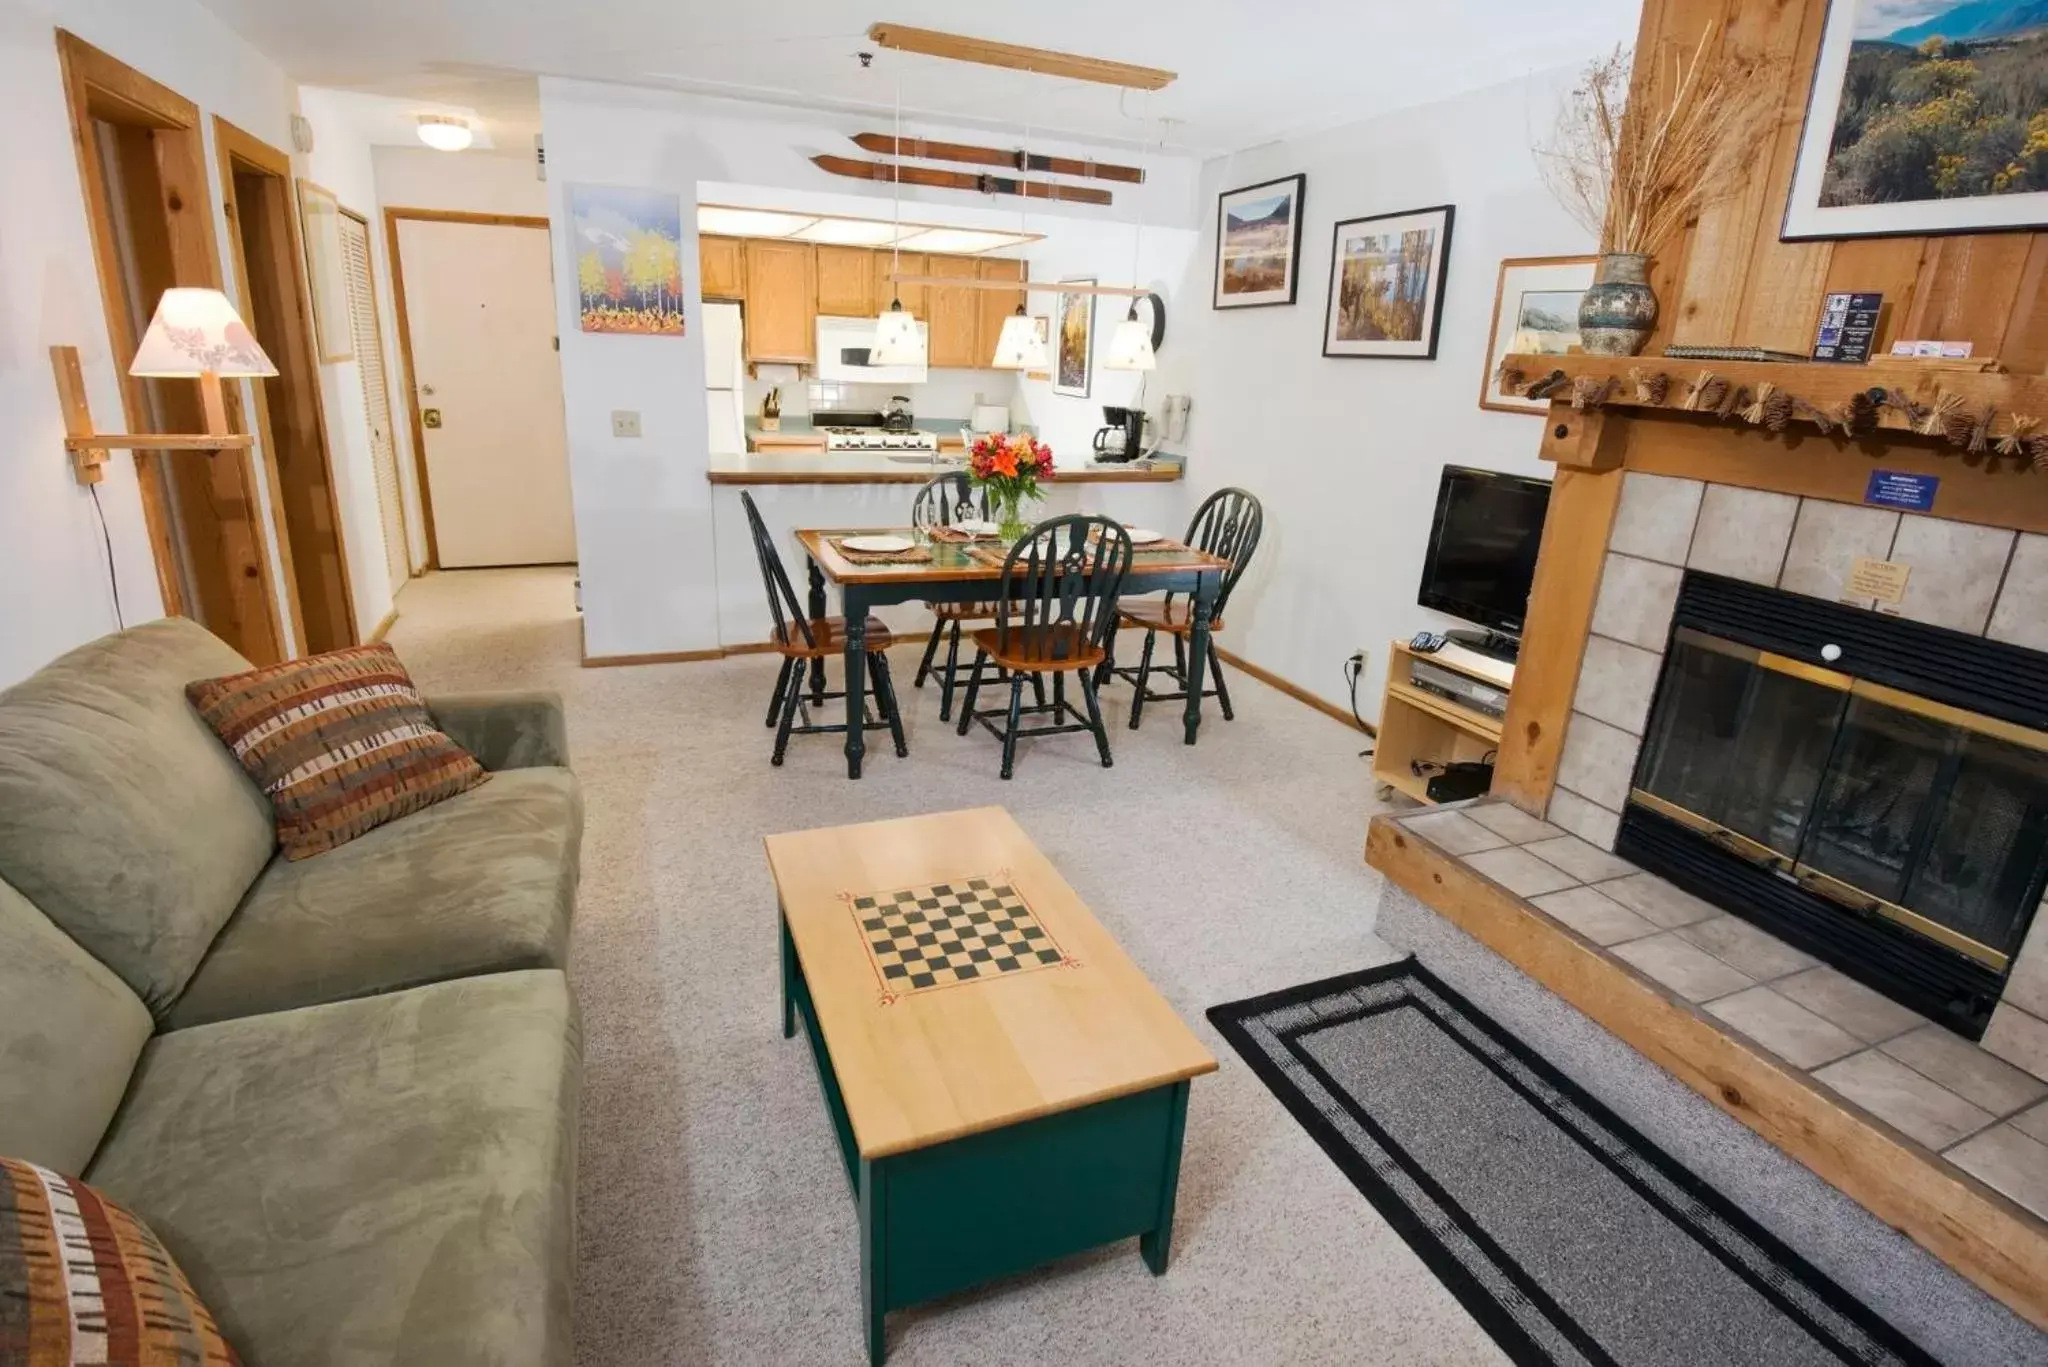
1926, 116
1258, 243
1387, 284
1535, 313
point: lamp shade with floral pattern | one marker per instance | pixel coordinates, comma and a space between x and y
198, 332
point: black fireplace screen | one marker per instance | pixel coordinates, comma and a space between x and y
1882, 801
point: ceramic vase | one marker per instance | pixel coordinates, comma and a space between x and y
1618, 312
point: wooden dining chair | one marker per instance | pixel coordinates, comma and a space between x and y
1227, 525
800, 639
943, 501
1056, 612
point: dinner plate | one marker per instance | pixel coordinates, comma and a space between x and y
879, 545
976, 527
1141, 536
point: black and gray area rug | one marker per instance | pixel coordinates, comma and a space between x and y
1563, 1231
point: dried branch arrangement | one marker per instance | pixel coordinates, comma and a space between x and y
1636, 180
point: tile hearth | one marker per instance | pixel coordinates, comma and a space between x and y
1978, 1112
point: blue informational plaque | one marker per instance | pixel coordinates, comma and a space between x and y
1899, 489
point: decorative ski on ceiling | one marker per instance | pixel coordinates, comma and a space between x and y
924, 149
933, 179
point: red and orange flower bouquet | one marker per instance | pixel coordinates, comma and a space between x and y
1009, 467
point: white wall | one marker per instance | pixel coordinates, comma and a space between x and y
474, 182
644, 512
54, 592
1346, 453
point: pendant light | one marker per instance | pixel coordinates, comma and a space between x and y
1018, 346
1130, 346
898, 340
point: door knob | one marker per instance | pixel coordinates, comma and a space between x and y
430, 417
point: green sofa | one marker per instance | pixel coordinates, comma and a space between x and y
343, 1090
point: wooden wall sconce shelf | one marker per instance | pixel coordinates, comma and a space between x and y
89, 448
1977, 408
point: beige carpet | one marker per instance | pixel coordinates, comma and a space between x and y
715, 1224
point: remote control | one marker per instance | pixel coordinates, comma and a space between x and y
1426, 643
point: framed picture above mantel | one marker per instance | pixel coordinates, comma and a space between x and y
1258, 243
1535, 313
1924, 119
1387, 283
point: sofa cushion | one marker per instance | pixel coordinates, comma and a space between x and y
70, 1032
382, 1181
121, 816
341, 743
82, 1280
481, 883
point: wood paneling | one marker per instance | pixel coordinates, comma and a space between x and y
1959, 1220
846, 282
781, 302
721, 267
955, 314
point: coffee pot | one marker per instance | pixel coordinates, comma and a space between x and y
1124, 438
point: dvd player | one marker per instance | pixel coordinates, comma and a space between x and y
1462, 689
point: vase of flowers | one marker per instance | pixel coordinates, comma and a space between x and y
1007, 469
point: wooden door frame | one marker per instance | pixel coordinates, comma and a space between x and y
392, 216
96, 84
232, 145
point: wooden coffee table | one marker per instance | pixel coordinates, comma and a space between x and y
1006, 1087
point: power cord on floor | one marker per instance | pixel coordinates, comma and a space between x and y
114, 578
1354, 668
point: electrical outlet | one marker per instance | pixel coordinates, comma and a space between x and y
625, 423
1361, 657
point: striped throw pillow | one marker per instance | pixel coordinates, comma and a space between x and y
83, 1281
341, 742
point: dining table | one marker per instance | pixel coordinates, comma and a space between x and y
968, 570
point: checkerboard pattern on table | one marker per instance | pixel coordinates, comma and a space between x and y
949, 933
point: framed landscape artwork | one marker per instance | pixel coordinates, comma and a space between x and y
1258, 243
1926, 116
1074, 342
629, 259
1387, 284
1535, 313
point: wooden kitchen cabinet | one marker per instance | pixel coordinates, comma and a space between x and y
846, 282
721, 267
913, 263
955, 322
781, 301
996, 305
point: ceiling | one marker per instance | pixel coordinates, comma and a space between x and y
1250, 72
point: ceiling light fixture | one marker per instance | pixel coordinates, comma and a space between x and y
1018, 345
898, 338
445, 132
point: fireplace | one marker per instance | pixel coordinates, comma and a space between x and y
1872, 790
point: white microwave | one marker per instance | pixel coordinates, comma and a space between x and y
843, 346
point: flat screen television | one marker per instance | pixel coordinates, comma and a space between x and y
1482, 550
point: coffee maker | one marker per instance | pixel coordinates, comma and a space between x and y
1124, 438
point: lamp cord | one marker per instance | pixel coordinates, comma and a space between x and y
113, 576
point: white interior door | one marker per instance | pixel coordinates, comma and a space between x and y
481, 312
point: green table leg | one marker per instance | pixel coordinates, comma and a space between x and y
1156, 1243
874, 1255
789, 971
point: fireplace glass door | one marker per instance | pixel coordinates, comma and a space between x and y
1886, 803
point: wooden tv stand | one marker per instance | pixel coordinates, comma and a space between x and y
1416, 724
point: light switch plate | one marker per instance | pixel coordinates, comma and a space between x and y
625, 423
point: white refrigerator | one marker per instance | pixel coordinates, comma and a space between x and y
725, 379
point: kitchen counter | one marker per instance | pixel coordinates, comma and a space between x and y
813, 466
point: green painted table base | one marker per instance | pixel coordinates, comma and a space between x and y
941, 1219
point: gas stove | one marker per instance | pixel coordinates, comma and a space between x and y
876, 439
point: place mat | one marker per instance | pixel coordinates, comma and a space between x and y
1166, 545
916, 555
954, 536
1568, 1235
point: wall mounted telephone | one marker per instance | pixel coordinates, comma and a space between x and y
1174, 417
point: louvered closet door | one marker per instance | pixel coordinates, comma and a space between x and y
362, 303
